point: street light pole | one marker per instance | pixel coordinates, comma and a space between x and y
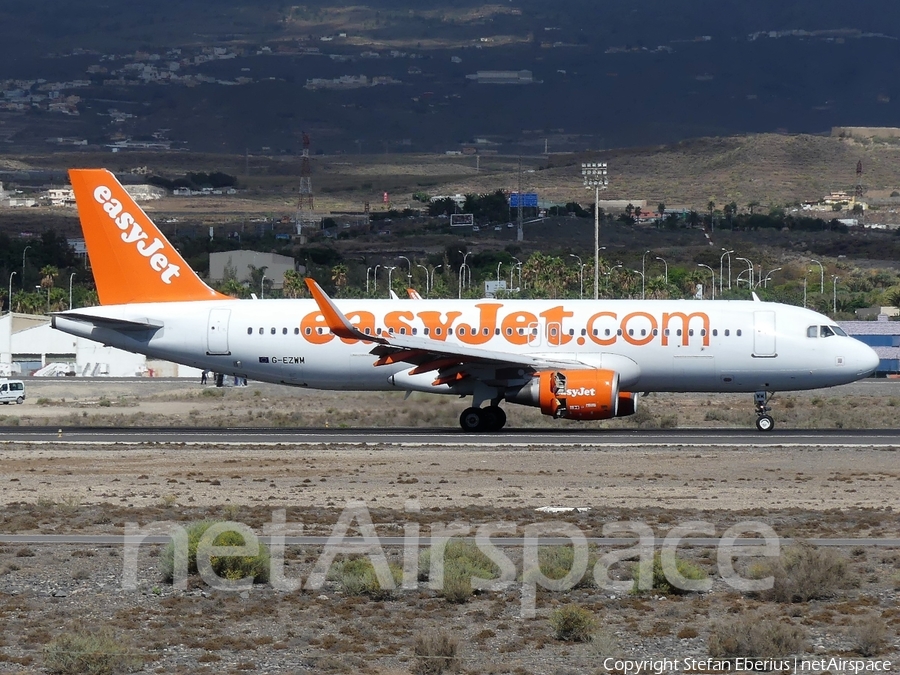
821, 276
834, 295
11, 275
667, 269
390, 271
766, 280
375, 279
596, 176
499, 265
711, 271
643, 271
432, 274
409, 271
749, 268
721, 260
71, 276
368, 269
580, 275
642, 282
262, 287
426, 278
804, 292
23, 265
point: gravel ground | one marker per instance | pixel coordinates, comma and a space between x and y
48, 591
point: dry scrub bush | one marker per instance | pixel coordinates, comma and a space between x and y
804, 572
661, 583
228, 567
555, 562
755, 635
357, 577
89, 653
462, 561
869, 637
435, 651
573, 623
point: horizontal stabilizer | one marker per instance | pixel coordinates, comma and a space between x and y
108, 322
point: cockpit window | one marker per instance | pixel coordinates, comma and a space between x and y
825, 331
812, 331
839, 331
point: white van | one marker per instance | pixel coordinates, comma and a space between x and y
12, 391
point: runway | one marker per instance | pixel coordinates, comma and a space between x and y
446, 437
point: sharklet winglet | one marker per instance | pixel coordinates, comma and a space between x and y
337, 322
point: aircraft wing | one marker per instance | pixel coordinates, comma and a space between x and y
449, 359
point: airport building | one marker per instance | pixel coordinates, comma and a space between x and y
882, 335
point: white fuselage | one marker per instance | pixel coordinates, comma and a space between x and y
655, 345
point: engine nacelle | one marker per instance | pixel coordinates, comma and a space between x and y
628, 403
579, 394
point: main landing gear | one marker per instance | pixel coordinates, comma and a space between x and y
491, 418
764, 421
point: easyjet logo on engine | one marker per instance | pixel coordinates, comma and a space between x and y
581, 391
133, 233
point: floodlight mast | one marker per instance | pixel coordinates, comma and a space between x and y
596, 176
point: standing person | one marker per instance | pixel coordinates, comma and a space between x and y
203, 377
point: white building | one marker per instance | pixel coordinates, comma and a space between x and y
28, 343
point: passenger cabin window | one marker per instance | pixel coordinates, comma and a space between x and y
249, 331
738, 332
812, 331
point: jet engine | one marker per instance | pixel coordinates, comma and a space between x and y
577, 395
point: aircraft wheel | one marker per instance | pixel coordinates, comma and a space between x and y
500, 417
765, 423
472, 419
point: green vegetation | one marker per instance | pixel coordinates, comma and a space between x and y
462, 561
83, 652
357, 577
232, 568
805, 572
435, 652
661, 583
756, 635
573, 623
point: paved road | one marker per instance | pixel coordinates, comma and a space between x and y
121, 540
454, 437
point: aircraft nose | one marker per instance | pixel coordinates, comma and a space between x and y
868, 360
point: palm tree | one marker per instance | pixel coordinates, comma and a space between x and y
751, 206
294, 286
232, 287
661, 211
339, 276
48, 275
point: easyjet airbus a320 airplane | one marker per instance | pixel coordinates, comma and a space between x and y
575, 359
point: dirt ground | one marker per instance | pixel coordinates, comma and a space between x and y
48, 591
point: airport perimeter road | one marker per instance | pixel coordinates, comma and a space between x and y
880, 438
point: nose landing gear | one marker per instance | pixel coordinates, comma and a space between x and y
764, 421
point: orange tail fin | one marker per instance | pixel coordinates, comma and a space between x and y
131, 259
